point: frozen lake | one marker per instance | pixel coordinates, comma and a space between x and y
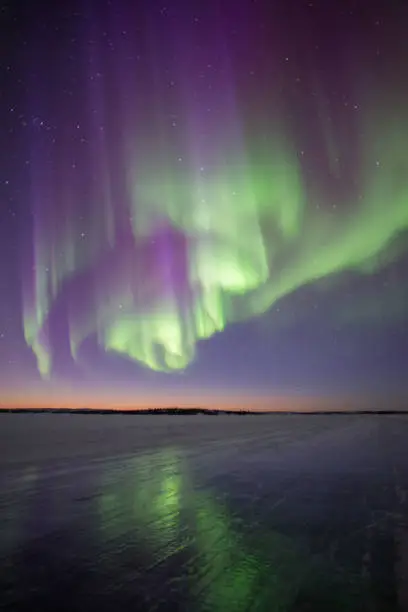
189, 513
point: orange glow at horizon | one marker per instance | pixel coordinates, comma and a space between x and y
57, 398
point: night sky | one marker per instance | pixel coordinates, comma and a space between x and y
203, 200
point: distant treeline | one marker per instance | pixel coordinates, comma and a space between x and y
196, 411
135, 411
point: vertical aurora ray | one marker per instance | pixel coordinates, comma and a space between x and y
173, 216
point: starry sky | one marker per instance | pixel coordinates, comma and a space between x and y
203, 202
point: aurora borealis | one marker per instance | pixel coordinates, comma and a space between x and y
208, 190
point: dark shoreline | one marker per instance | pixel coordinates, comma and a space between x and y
197, 411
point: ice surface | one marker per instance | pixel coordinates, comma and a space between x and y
219, 513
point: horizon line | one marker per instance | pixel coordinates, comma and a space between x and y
198, 409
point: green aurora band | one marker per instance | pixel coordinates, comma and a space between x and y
255, 230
